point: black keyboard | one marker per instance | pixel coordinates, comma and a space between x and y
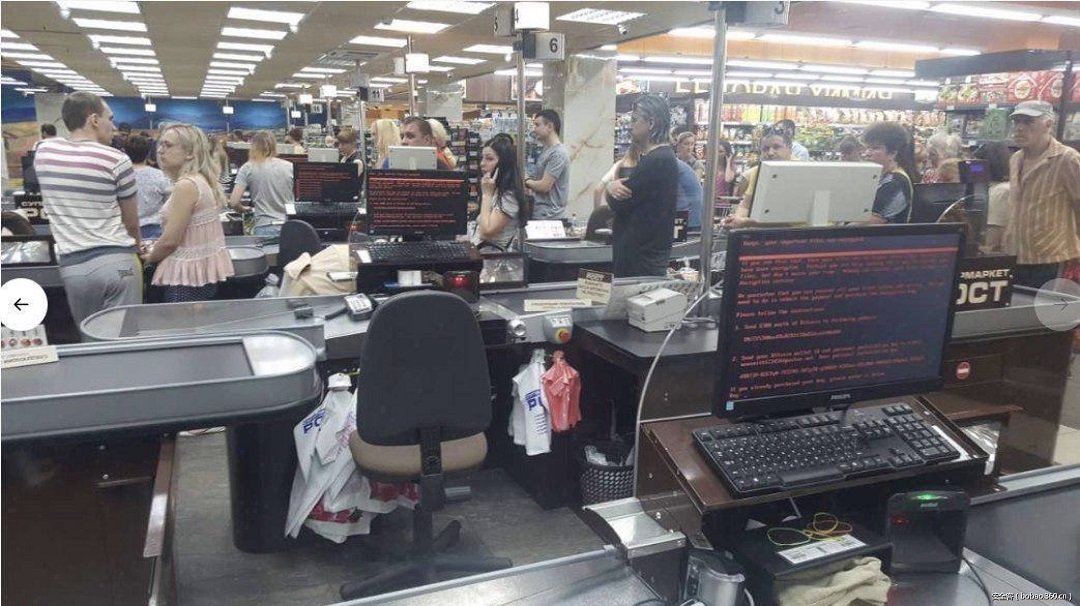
320, 208
405, 252
781, 454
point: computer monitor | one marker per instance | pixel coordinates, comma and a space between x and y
424, 203
815, 317
294, 158
815, 193
412, 158
933, 199
326, 182
237, 155
323, 154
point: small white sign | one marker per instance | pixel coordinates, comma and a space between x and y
29, 356
554, 304
820, 549
545, 230
594, 286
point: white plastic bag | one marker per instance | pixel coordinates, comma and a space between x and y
531, 414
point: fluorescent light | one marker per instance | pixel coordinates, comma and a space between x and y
45, 64
680, 60
930, 83
224, 79
310, 76
133, 60
323, 70
390, 80
247, 32
120, 50
17, 46
884, 81
133, 40
124, 26
7, 33
889, 89
458, 60
835, 69
449, 6
13, 81
225, 64
627, 58
693, 73
265, 49
1062, 20
239, 57
439, 68
896, 46
747, 74
968, 10
130, 8
264, 100
831, 78
379, 41
893, 73
609, 47
599, 16
30, 56
489, 49
269, 94
807, 40
662, 78
412, 27
228, 72
290, 85
31, 91
797, 76
780, 83
140, 68
183, 98
960, 52
762, 64
643, 70
252, 14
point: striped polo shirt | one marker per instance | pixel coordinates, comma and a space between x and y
1044, 199
81, 185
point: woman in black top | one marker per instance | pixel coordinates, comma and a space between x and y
644, 203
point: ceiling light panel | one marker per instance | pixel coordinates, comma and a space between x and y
238, 57
643, 70
747, 74
412, 27
121, 50
133, 60
43, 64
885, 81
252, 14
599, 16
969, 10
835, 69
290, 85
130, 8
379, 41
265, 49
960, 52
893, 73
310, 76
247, 32
896, 46
832, 78
131, 40
1062, 20
7, 33
228, 72
797, 76
123, 26
680, 60
462, 8
17, 46
762, 64
29, 56
390, 80
324, 70
228, 65
489, 49
140, 68
458, 60
806, 40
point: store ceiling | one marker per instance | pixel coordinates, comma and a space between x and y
185, 36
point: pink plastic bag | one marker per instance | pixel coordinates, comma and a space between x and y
562, 386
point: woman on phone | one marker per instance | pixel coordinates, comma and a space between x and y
501, 195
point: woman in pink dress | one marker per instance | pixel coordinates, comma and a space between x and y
191, 256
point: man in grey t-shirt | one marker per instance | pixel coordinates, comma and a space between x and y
551, 182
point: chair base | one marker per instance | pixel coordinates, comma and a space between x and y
425, 568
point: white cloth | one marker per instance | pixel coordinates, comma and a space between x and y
530, 419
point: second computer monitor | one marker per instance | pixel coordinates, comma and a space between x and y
323, 154
815, 193
830, 316
412, 158
417, 203
326, 182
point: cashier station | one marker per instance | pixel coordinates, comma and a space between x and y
84, 441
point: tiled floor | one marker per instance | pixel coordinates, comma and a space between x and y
499, 520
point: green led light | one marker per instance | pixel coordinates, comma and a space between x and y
927, 497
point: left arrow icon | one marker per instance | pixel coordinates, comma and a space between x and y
19, 304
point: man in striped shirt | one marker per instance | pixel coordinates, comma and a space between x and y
90, 194
1044, 195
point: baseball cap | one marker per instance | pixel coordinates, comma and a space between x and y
1033, 109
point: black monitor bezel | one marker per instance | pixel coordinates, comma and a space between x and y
344, 166
421, 173
794, 403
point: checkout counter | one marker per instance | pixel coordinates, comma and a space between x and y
555, 261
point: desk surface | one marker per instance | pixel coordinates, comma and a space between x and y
586, 251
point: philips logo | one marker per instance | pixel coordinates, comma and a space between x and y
840, 396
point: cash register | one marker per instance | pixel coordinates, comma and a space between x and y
413, 220
815, 320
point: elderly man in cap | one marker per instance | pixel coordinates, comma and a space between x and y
1044, 197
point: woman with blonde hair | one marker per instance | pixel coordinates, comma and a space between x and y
385, 133
219, 157
191, 256
442, 141
270, 180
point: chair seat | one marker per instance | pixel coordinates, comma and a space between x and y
402, 463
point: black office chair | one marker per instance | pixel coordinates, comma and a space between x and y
297, 237
423, 403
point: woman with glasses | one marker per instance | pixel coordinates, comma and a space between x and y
270, 180
644, 202
191, 256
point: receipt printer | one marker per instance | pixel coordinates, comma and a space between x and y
659, 309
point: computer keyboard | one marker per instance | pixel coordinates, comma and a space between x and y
781, 454
323, 208
404, 252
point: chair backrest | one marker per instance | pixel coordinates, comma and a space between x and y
297, 237
423, 365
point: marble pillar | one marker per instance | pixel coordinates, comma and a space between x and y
582, 90
444, 101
